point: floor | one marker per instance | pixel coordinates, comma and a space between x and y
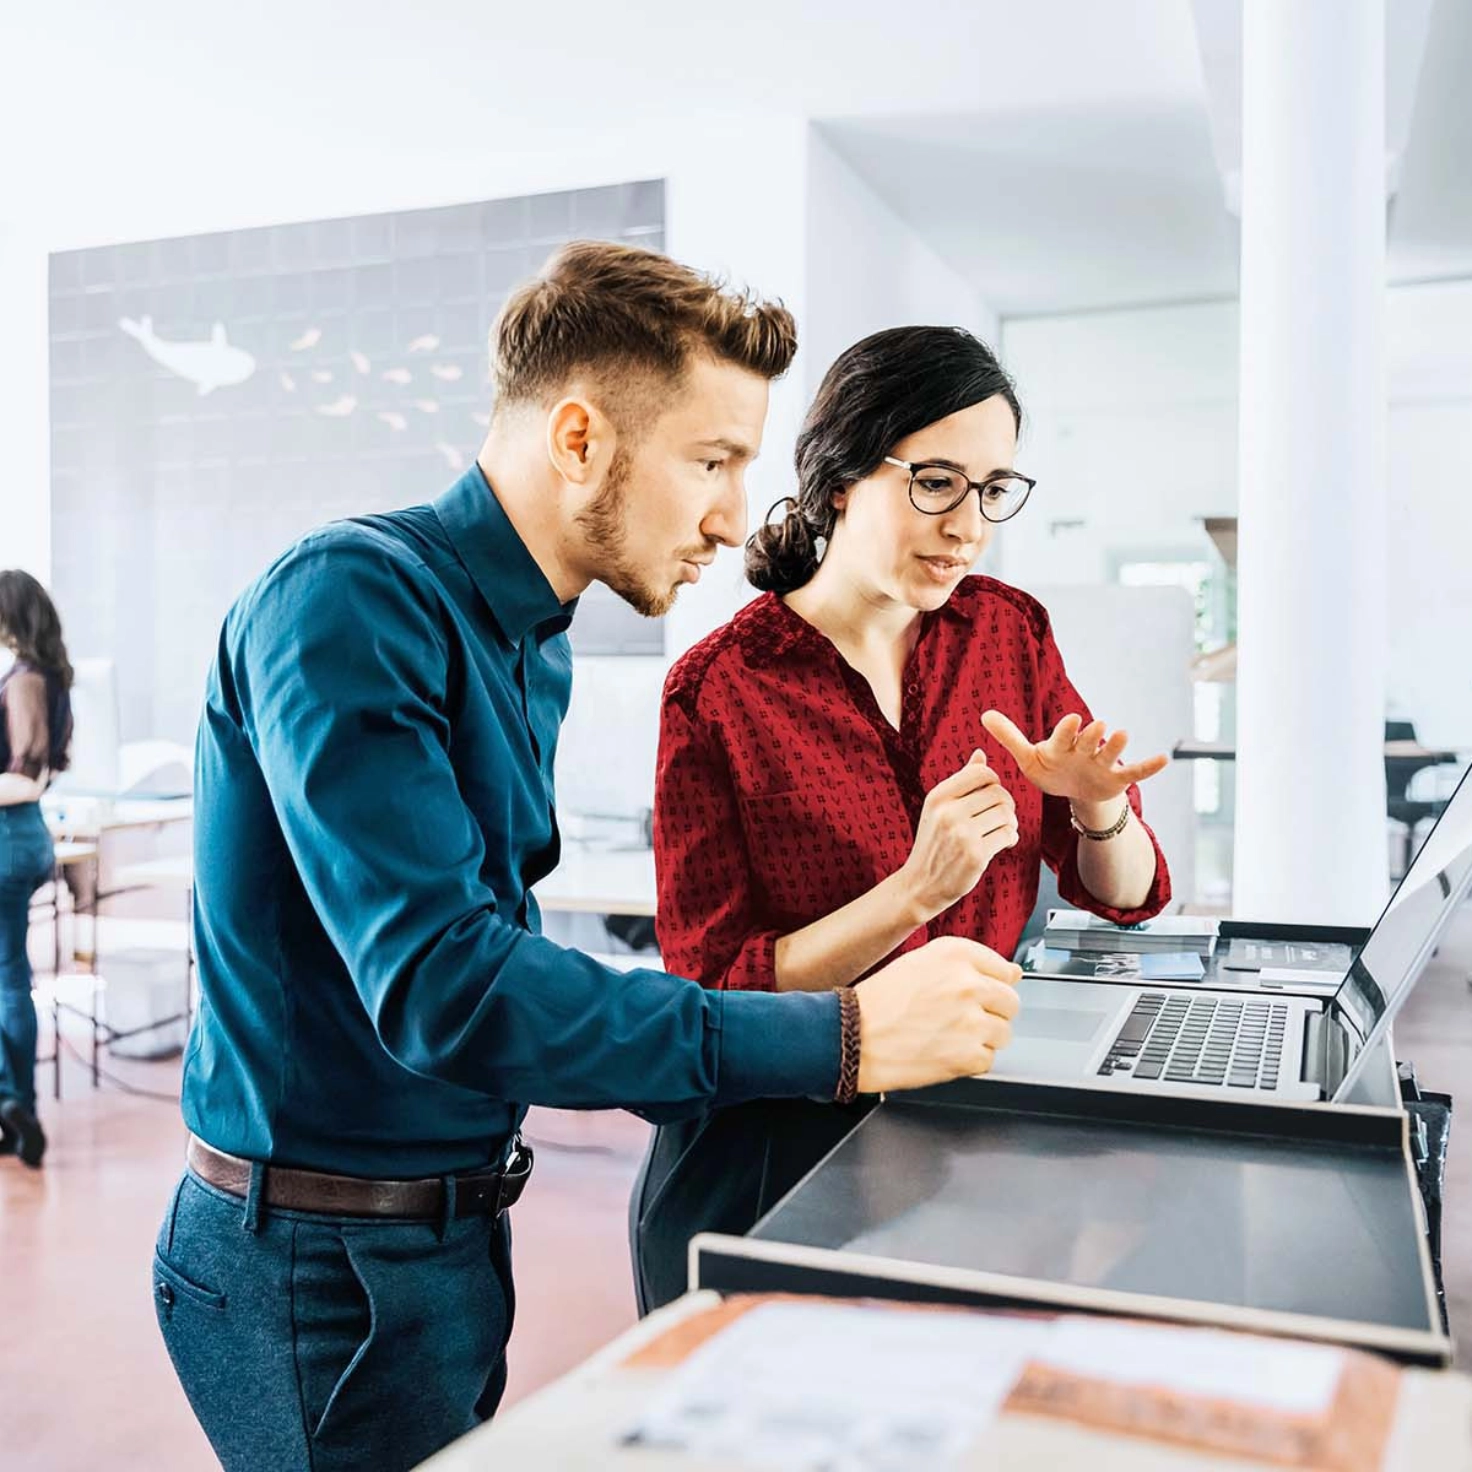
88, 1384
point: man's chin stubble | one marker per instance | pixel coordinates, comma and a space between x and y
645, 601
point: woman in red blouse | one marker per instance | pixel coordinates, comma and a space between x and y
878, 751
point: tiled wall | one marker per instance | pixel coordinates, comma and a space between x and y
347, 375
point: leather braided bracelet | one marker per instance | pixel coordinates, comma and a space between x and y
1099, 835
848, 1046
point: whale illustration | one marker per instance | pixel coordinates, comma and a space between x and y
208, 365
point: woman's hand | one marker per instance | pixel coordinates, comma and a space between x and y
967, 820
1077, 761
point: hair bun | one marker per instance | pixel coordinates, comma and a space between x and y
782, 555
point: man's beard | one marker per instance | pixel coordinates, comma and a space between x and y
606, 531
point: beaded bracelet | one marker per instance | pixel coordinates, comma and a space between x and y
1099, 835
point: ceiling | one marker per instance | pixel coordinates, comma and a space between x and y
1129, 201
1062, 155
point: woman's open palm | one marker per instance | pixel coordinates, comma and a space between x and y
1078, 762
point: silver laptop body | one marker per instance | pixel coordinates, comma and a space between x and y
1181, 1038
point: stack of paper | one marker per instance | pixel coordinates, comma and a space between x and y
1041, 959
1077, 930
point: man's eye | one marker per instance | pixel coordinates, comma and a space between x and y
711, 466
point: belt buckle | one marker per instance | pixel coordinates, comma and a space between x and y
514, 1174
495, 1192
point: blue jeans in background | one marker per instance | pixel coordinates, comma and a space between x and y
321, 1343
26, 862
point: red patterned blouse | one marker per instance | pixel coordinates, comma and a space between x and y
782, 792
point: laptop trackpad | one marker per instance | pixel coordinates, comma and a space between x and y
1053, 1042
1066, 1024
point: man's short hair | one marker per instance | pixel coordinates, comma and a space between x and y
629, 319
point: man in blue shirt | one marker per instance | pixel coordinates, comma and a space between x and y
373, 805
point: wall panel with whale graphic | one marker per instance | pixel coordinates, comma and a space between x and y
215, 396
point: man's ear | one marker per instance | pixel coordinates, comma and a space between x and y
579, 439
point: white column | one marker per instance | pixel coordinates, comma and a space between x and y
25, 425
1310, 838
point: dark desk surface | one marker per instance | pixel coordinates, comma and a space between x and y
1247, 1220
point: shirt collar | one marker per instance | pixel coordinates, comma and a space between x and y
770, 631
499, 564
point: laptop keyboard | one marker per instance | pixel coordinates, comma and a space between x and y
1201, 1040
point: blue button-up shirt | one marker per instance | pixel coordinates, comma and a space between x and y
373, 790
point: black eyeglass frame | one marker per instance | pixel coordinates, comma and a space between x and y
979, 486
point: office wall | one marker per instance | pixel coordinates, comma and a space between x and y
868, 269
215, 396
1132, 434
725, 184
1127, 651
1429, 539
723, 189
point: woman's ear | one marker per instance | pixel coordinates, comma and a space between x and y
839, 500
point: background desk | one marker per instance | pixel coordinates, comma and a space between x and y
89, 827
1404, 758
1408, 753
595, 881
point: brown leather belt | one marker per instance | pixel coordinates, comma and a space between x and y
477, 1193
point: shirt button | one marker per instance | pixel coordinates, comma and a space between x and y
165, 1295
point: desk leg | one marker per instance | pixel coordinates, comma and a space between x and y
57, 880
96, 942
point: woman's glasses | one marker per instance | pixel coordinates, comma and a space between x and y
936, 489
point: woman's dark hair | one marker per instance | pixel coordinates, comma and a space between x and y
877, 393
30, 624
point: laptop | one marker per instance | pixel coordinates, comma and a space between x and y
1174, 1038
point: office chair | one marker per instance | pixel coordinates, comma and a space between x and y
1400, 771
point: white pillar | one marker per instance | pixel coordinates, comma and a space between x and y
25, 424
1310, 838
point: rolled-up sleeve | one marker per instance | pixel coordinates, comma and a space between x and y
342, 687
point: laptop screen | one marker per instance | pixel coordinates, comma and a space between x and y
1403, 937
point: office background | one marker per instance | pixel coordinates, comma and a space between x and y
1074, 205
1065, 179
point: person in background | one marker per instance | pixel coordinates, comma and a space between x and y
35, 734
877, 753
